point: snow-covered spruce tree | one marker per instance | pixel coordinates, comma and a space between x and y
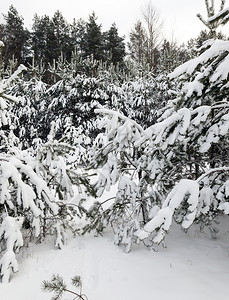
34, 186
136, 171
12, 186
26, 115
144, 97
74, 97
117, 160
143, 173
115, 153
171, 170
57, 162
24, 195
78, 91
194, 131
36, 110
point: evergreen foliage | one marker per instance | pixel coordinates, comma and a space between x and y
114, 46
59, 287
123, 163
171, 56
36, 184
53, 37
177, 168
93, 38
201, 135
42, 39
77, 34
137, 43
15, 37
214, 20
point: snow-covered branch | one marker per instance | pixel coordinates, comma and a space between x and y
215, 19
216, 47
13, 77
198, 199
186, 190
221, 18
117, 115
10, 231
211, 171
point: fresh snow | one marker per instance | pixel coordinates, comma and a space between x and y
192, 267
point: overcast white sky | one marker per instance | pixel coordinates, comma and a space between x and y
179, 16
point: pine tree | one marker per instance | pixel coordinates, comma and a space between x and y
43, 39
137, 43
45, 43
94, 39
176, 169
15, 37
36, 185
195, 127
114, 46
171, 55
123, 163
26, 114
78, 33
62, 35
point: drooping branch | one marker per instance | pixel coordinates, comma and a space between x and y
211, 171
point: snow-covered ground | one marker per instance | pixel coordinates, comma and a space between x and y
193, 266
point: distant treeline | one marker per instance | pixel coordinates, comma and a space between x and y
53, 37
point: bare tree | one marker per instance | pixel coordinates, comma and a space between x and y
145, 37
153, 25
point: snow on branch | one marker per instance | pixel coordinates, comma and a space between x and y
214, 132
116, 115
186, 190
180, 122
211, 171
10, 230
193, 197
108, 175
121, 134
12, 171
221, 18
13, 77
216, 47
212, 66
215, 19
179, 126
4, 98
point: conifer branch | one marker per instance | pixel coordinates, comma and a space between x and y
58, 286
